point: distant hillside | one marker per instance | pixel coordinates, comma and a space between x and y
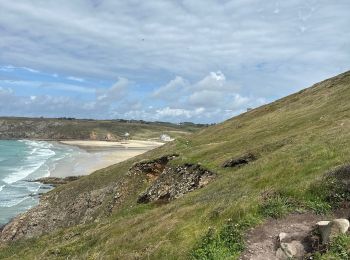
70, 128
196, 197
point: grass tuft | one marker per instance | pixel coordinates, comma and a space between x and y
226, 243
277, 206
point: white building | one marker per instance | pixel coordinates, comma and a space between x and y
166, 138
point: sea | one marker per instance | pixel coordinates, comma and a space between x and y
22, 162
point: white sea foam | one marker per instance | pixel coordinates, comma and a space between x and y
12, 202
20, 162
21, 172
39, 153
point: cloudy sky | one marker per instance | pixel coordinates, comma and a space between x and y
190, 60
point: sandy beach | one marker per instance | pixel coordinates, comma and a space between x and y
95, 155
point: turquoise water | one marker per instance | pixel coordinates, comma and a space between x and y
21, 162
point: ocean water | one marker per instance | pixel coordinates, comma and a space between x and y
21, 162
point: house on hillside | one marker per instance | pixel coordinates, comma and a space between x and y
166, 138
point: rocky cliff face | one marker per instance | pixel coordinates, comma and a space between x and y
45, 129
66, 207
55, 212
29, 129
175, 182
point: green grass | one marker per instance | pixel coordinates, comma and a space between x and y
337, 249
298, 140
226, 243
277, 207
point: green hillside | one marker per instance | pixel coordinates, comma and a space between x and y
296, 141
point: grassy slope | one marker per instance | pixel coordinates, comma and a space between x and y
298, 139
82, 129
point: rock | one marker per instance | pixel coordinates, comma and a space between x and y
289, 237
55, 211
282, 236
152, 168
330, 229
324, 228
55, 181
174, 182
342, 225
292, 250
237, 162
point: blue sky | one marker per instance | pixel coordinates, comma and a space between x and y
194, 60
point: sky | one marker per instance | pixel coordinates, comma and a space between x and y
164, 60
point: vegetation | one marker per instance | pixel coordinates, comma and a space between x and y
71, 128
298, 140
227, 243
338, 249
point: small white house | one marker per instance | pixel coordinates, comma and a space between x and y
166, 138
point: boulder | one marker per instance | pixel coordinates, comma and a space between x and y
330, 229
340, 225
324, 228
293, 250
289, 237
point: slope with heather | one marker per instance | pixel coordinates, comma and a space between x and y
295, 141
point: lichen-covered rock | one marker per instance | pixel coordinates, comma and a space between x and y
174, 182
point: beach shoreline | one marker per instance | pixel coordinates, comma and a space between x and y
96, 155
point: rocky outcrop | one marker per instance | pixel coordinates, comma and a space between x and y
151, 168
55, 181
55, 211
74, 203
174, 182
242, 160
297, 245
292, 250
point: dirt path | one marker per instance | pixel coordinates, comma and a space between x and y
261, 240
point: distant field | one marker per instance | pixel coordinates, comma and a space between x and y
69, 128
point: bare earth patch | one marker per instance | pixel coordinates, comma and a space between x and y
261, 241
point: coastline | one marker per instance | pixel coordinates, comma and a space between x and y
95, 155
66, 161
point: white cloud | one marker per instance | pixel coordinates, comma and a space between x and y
76, 79
114, 93
48, 85
213, 90
209, 99
178, 112
171, 90
141, 39
254, 50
